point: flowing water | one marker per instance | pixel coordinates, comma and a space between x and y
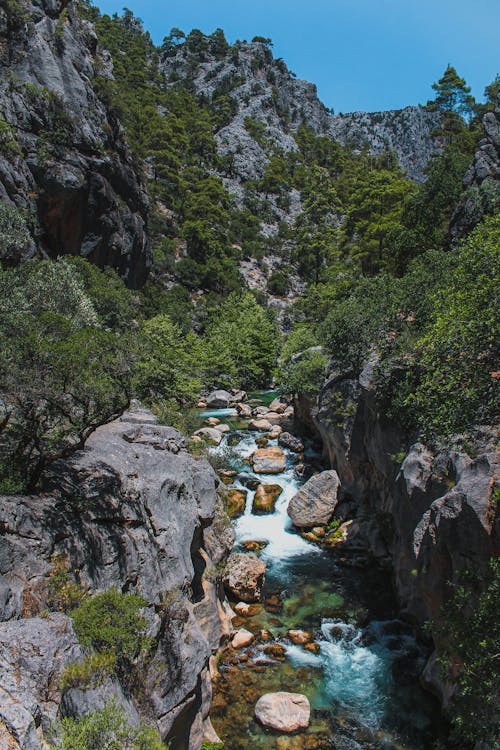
363, 680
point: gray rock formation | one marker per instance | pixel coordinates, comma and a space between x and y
133, 511
67, 162
482, 179
244, 577
314, 504
429, 516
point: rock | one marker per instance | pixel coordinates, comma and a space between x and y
287, 440
300, 469
275, 650
255, 545
300, 637
251, 482
261, 442
244, 576
258, 411
244, 411
283, 712
278, 406
235, 502
210, 434
88, 198
212, 421
243, 609
219, 400
242, 638
265, 498
201, 405
262, 425
275, 432
314, 648
238, 395
140, 515
223, 428
273, 418
268, 460
315, 502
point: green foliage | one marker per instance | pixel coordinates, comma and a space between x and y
15, 237
168, 362
60, 376
241, 344
110, 623
469, 633
90, 672
9, 146
302, 363
107, 729
63, 593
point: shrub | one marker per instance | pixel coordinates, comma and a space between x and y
90, 672
110, 623
107, 729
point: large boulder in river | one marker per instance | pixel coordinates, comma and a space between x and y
269, 461
265, 498
287, 440
219, 400
235, 502
284, 712
315, 502
244, 577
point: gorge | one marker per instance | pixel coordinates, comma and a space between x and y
188, 561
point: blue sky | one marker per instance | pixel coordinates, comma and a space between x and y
362, 54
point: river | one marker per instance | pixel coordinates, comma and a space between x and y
363, 681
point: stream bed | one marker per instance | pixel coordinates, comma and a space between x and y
362, 680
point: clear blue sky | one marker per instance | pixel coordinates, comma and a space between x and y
362, 54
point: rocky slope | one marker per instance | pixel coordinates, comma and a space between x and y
266, 91
136, 512
427, 514
63, 157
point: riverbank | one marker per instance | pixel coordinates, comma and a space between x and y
355, 661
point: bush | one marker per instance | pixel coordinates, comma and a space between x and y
110, 623
15, 238
107, 729
89, 673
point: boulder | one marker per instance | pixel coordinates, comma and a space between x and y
265, 498
244, 576
262, 425
238, 395
258, 411
277, 406
219, 400
242, 638
243, 609
244, 410
212, 421
273, 417
210, 434
287, 440
223, 428
269, 461
284, 712
275, 432
315, 502
235, 502
300, 637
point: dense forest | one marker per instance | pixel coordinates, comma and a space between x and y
370, 267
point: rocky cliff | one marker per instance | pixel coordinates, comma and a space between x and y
263, 89
63, 157
427, 514
482, 179
133, 511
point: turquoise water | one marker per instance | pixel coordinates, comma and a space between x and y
350, 681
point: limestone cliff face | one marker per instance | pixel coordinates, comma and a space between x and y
264, 90
428, 515
133, 511
482, 179
63, 158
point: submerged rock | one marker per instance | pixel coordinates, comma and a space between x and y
284, 712
315, 502
268, 460
244, 577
